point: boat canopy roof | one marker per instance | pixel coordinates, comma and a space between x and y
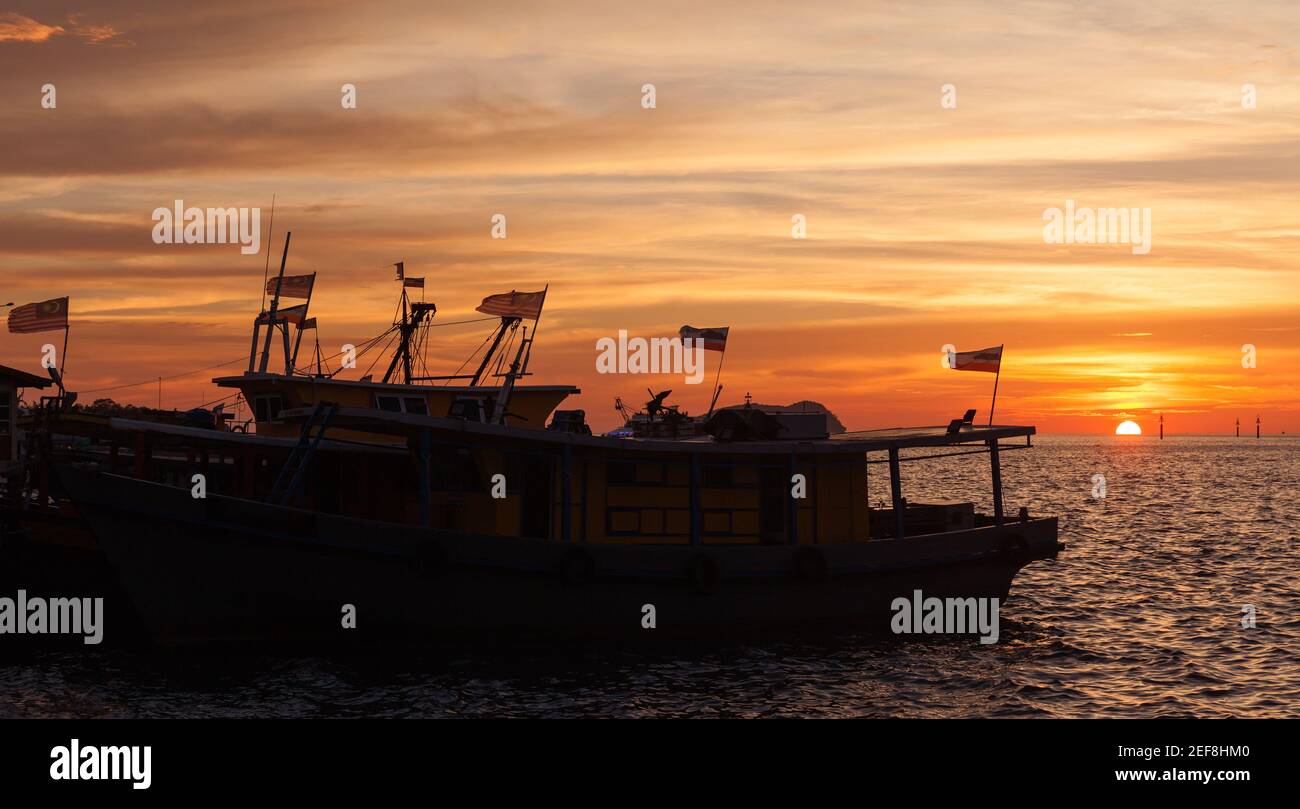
373, 421
241, 380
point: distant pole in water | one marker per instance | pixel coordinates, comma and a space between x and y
1162, 426
160, 393
1257, 426
1239, 426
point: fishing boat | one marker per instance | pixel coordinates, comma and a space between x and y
428, 510
46, 543
582, 534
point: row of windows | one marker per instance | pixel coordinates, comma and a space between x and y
267, 408
414, 405
677, 473
627, 521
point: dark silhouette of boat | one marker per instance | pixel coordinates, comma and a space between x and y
426, 511
571, 556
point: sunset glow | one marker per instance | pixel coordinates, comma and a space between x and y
924, 224
1128, 428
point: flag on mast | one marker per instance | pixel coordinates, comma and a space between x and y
513, 304
292, 286
43, 316
714, 339
413, 283
292, 314
986, 359
401, 270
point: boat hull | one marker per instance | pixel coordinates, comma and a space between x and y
225, 569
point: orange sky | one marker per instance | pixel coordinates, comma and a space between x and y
924, 224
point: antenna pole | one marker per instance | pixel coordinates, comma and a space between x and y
63, 358
267, 266
996, 378
717, 389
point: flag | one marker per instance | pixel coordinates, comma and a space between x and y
714, 339
292, 286
986, 359
293, 314
413, 283
401, 270
513, 304
309, 323
44, 316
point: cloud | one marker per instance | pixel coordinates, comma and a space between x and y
15, 27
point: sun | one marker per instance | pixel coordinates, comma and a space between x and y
1128, 428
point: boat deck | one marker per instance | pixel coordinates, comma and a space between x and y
374, 421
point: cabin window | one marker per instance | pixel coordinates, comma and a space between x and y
6, 414
650, 522
620, 473
625, 521
266, 409
717, 522
719, 477
389, 404
629, 473
416, 406
468, 408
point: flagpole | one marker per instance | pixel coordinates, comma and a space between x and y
306, 309
996, 377
266, 269
536, 322
63, 361
714, 399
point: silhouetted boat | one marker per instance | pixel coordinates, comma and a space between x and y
439, 510
594, 529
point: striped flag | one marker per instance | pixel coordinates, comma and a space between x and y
413, 283
714, 339
292, 286
986, 359
513, 304
293, 314
44, 316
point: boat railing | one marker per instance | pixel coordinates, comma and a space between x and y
992, 447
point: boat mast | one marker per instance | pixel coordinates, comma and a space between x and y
503, 398
413, 315
270, 318
506, 322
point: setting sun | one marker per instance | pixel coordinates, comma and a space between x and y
1128, 428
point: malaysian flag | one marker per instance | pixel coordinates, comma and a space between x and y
44, 316
714, 339
293, 314
986, 359
513, 304
292, 286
